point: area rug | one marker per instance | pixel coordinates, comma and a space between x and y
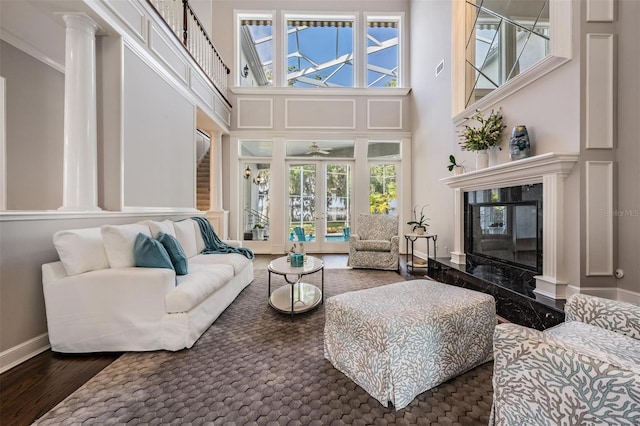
257, 366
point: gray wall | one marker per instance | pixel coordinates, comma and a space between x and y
628, 148
34, 133
159, 140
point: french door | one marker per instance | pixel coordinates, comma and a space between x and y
319, 205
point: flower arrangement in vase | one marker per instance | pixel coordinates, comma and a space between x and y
487, 135
419, 224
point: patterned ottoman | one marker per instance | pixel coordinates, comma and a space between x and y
399, 340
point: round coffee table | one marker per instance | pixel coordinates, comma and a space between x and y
297, 297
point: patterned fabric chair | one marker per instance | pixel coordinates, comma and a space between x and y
584, 371
376, 243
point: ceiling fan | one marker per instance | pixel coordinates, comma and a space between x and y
315, 149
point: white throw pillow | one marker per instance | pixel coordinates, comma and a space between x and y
119, 241
200, 245
186, 235
81, 250
156, 227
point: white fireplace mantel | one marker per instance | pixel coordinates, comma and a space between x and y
550, 169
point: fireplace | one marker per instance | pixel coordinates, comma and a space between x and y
502, 246
505, 225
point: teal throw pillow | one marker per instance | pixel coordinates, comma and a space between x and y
175, 251
149, 253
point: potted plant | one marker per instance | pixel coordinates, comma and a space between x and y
258, 231
480, 139
419, 223
457, 169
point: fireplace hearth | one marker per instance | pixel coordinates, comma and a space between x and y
512, 288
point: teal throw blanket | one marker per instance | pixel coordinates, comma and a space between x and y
213, 244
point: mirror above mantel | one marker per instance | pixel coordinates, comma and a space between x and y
500, 46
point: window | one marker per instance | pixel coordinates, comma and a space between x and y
320, 52
382, 52
256, 50
335, 51
382, 188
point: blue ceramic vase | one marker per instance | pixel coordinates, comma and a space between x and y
519, 143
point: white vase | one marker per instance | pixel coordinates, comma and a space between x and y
458, 170
482, 159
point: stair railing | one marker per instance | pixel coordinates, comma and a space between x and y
257, 217
183, 22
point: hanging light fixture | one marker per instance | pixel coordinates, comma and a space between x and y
258, 179
247, 172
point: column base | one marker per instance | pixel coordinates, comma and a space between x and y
458, 258
550, 287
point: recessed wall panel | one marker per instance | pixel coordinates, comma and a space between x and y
158, 140
320, 113
129, 13
255, 113
599, 93
384, 114
166, 53
599, 217
600, 10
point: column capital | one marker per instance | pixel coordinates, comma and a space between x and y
80, 22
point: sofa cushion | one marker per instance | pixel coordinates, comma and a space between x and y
373, 245
193, 288
176, 254
119, 241
235, 260
150, 253
81, 250
156, 227
186, 234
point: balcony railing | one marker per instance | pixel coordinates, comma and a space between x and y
184, 23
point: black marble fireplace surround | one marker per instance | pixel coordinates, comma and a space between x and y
511, 287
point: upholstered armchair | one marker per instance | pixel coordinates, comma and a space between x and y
376, 243
583, 371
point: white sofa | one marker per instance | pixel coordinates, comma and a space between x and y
98, 301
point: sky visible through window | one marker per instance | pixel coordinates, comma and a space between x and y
320, 55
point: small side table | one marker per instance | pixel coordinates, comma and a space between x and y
297, 297
413, 238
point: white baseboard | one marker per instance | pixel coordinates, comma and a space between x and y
628, 296
24, 351
612, 293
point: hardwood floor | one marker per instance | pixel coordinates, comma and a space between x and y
34, 387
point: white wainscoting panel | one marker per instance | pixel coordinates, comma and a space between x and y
166, 53
320, 113
600, 10
384, 114
600, 214
201, 88
133, 18
255, 113
222, 111
599, 97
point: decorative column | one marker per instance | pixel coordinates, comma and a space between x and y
80, 175
216, 215
552, 282
457, 255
